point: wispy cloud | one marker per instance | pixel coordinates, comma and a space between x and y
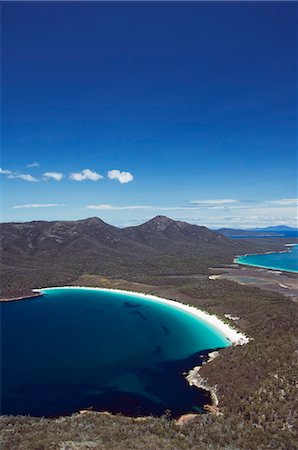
37, 205
215, 222
237, 215
118, 208
224, 201
53, 175
5, 172
122, 177
85, 174
237, 222
104, 207
23, 176
284, 202
34, 164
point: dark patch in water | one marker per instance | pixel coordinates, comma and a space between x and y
165, 329
138, 313
132, 305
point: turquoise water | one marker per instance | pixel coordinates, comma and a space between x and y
287, 261
77, 348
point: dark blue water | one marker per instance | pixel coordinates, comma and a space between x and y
287, 261
77, 348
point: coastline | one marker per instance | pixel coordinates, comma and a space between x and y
193, 377
234, 336
21, 297
289, 249
281, 282
265, 267
232, 375
270, 253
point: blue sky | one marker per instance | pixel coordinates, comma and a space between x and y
129, 110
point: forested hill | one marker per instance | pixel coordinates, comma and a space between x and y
40, 253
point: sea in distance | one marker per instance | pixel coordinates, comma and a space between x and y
76, 348
285, 261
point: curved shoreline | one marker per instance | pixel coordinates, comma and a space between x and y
24, 297
192, 376
289, 250
264, 267
234, 336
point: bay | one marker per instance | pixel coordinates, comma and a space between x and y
76, 348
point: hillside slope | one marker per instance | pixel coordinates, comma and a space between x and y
40, 253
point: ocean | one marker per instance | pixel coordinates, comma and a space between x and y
286, 261
79, 348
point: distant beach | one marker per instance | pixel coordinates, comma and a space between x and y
286, 260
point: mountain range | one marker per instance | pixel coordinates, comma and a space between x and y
278, 228
40, 253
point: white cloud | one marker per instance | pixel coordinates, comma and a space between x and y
23, 176
146, 207
258, 214
34, 164
225, 201
86, 174
5, 172
273, 207
122, 177
284, 202
37, 205
246, 222
54, 175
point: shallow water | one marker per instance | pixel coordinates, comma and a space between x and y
77, 348
286, 261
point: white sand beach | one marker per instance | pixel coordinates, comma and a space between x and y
233, 335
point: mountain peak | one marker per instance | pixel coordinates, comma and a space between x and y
93, 220
160, 223
161, 219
